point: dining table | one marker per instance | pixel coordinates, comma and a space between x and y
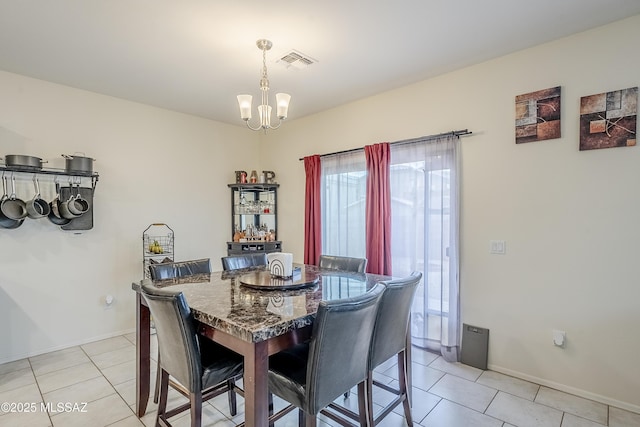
233, 309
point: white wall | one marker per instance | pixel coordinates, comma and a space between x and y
154, 166
569, 218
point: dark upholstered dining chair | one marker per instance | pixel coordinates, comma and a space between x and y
171, 270
390, 339
342, 263
331, 262
243, 261
313, 374
205, 369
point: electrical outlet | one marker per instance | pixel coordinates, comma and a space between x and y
108, 301
559, 338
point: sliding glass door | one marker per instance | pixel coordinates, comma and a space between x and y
424, 228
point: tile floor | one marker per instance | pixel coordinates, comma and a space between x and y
94, 385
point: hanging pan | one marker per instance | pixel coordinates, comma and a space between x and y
54, 213
37, 207
6, 222
13, 207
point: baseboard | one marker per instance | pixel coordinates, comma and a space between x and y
567, 389
67, 345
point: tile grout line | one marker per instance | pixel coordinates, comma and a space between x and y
106, 379
117, 393
35, 378
492, 399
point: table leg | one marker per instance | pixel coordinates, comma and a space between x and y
407, 363
256, 390
143, 358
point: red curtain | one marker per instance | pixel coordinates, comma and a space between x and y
378, 209
312, 220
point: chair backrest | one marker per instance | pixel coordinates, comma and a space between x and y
339, 346
331, 262
177, 335
243, 261
171, 270
392, 320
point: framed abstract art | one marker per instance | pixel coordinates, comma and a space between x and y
609, 119
538, 115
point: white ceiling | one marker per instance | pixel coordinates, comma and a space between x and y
195, 56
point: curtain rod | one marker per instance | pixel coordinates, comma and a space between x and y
461, 132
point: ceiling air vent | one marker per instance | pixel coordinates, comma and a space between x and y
295, 59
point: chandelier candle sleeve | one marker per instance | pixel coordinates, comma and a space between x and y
245, 106
282, 100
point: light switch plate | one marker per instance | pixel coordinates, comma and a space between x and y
497, 247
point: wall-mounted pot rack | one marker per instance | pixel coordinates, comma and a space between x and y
51, 171
75, 178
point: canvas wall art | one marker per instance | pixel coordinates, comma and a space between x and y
538, 115
609, 119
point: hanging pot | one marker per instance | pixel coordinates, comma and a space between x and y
6, 222
12, 207
78, 164
68, 208
37, 207
79, 206
54, 214
18, 161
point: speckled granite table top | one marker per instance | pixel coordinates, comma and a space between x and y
222, 302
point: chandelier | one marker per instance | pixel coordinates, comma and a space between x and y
264, 109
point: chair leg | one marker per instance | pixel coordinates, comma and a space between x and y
363, 412
231, 395
368, 397
156, 393
196, 409
310, 420
402, 377
163, 389
270, 402
408, 365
